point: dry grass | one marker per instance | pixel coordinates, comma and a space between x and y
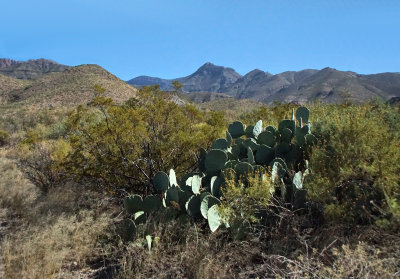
16, 192
43, 250
191, 252
57, 235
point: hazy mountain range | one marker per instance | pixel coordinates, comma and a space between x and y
328, 85
43, 79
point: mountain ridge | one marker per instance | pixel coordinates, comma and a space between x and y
31, 69
328, 84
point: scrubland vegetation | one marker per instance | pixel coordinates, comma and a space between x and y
65, 175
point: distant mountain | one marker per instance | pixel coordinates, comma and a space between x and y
208, 78
141, 81
71, 87
333, 86
328, 85
30, 69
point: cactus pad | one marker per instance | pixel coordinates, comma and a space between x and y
161, 181
236, 129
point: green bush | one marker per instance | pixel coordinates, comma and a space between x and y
124, 146
356, 167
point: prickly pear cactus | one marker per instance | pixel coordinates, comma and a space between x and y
283, 151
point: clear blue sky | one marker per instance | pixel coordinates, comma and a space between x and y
171, 38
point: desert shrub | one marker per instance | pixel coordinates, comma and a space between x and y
16, 192
123, 146
356, 170
366, 261
37, 159
4, 136
246, 202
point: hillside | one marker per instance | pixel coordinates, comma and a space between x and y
30, 69
71, 87
9, 84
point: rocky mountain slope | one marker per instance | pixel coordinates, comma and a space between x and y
71, 87
30, 69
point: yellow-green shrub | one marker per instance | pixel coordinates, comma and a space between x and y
357, 163
124, 146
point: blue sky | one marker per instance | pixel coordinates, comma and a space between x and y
173, 38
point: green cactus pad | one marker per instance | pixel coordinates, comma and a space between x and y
264, 155
266, 138
250, 156
204, 194
221, 144
290, 124
182, 182
161, 181
239, 141
151, 203
133, 204
194, 182
201, 160
235, 150
215, 160
303, 113
207, 202
279, 160
306, 129
172, 178
193, 206
215, 185
257, 128
183, 198
149, 240
300, 136
243, 168
129, 229
249, 131
282, 149
278, 172
228, 138
202, 152
286, 134
172, 195
140, 217
232, 156
298, 180
230, 164
250, 142
236, 129
271, 129
213, 217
